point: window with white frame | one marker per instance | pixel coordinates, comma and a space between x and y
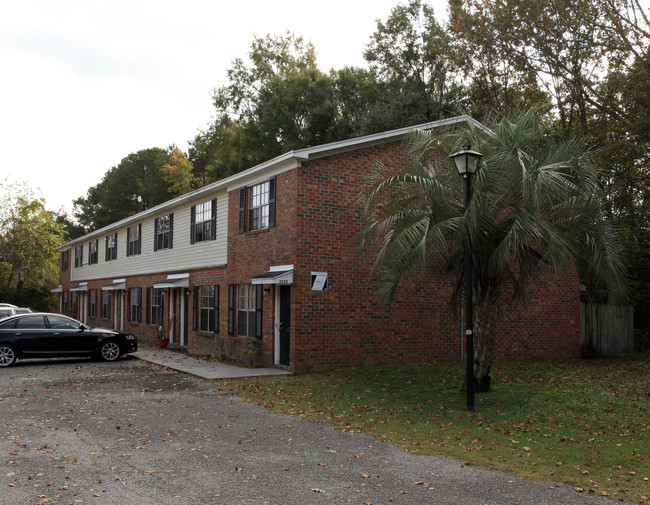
106, 304
203, 221
246, 310
92, 252
164, 232
111, 247
208, 306
258, 206
133, 242
135, 305
93, 303
156, 306
78, 256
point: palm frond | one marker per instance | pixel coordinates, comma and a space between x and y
535, 205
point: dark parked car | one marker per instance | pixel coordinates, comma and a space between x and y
43, 335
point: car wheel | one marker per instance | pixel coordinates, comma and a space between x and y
7, 355
109, 351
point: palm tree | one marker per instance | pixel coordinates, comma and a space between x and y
536, 207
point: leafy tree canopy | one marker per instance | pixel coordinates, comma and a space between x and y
29, 236
138, 183
409, 56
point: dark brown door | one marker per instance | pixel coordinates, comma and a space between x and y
285, 325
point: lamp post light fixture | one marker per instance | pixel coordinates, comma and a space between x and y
467, 162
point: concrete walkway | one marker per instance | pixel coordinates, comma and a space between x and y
205, 369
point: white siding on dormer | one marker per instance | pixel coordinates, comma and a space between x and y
181, 257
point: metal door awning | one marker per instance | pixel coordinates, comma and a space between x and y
276, 275
115, 285
174, 281
58, 289
83, 286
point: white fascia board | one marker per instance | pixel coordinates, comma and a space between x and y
381, 138
276, 166
279, 164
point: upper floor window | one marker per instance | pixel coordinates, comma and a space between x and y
133, 241
92, 252
259, 200
111, 247
164, 227
65, 259
203, 221
78, 256
258, 206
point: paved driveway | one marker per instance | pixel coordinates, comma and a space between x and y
133, 433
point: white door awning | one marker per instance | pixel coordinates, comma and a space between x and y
83, 286
115, 285
276, 275
58, 289
174, 281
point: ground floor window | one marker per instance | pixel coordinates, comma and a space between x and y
246, 310
207, 308
135, 305
106, 304
93, 303
157, 306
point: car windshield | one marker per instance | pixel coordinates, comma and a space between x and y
63, 323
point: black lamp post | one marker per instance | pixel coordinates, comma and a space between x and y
467, 163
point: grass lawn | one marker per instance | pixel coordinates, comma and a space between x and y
581, 422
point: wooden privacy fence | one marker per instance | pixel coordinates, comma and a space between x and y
606, 331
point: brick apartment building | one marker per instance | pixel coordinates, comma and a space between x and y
267, 254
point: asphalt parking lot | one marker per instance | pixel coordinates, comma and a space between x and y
131, 432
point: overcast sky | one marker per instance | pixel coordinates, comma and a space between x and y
86, 82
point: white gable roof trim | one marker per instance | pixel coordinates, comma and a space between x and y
286, 161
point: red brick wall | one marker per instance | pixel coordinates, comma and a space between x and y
316, 220
346, 326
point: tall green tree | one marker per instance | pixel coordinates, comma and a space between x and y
178, 173
136, 184
564, 47
217, 152
624, 154
279, 98
536, 208
409, 55
29, 236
